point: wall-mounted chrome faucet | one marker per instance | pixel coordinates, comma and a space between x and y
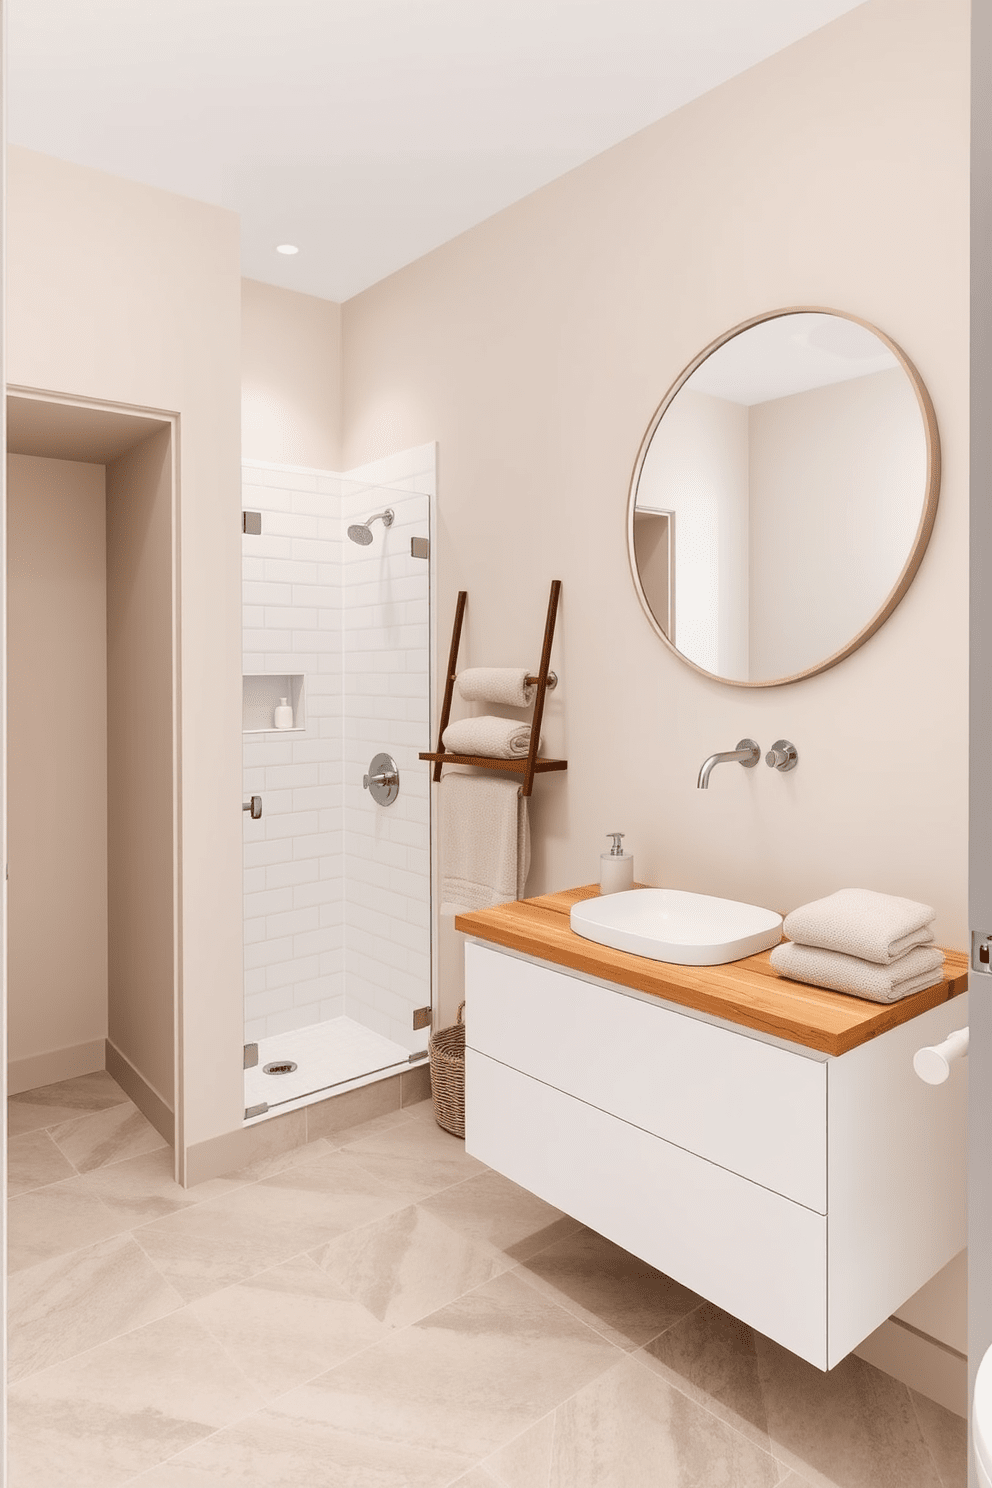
747, 754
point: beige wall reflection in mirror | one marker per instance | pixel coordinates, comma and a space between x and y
783, 497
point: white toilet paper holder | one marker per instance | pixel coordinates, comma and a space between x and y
933, 1064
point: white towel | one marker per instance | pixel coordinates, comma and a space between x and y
860, 922
497, 738
485, 840
919, 968
505, 685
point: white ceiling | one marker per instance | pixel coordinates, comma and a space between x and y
367, 131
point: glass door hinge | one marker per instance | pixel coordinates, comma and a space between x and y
251, 1056
258, 1110
420, 1054
422, 1017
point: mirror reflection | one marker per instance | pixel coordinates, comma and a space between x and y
783, 497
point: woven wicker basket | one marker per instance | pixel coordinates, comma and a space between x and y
447, 1048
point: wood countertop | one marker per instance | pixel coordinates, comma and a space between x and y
749, 992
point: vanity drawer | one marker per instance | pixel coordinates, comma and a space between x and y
750, 1107
758, 1255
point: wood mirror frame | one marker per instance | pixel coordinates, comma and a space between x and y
924, 528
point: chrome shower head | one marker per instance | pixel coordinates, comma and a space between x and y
361, 533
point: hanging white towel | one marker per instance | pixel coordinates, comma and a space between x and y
861, 922
485, 840
507, 685
496, 738
919, 968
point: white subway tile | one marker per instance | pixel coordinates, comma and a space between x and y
258, 854
262, 1004
268, 902
298, 871
269, 952
292, 1019
288, 973
312, 941
294, 922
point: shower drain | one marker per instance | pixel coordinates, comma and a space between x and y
279, 1067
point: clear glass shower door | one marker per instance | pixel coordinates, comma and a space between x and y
337, 885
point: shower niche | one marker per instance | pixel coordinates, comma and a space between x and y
337, 889
261, 695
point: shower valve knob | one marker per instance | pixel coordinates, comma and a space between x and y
782, 756
383, 780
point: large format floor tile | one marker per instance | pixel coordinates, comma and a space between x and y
377, 1308
419, 1408
947, 1437
104, 1137
629, 1429
141, 1189
854, 1427
622, 1297
408, 1265
474, 1373
64, 1101
34, 1161
288, 1324
270, 1451
66, 1305
108, 1414
489, 1207
50, 1222
228, 1239
417, 1156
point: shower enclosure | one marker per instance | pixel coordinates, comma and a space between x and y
337, 638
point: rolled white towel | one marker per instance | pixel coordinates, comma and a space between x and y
506, 685
861, 922
919, 968
496, 738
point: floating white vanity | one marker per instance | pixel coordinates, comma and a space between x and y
766, 1144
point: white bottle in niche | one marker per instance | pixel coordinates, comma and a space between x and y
283, 717
616, 867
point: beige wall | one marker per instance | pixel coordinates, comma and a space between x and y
536, 347
141, 896
290, 377
125, 294
57, 743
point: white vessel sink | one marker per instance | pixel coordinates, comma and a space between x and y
674, 925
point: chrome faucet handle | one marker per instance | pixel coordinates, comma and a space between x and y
782, 756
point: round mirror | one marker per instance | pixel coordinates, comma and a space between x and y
783, 497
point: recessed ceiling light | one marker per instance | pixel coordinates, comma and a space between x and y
287, 248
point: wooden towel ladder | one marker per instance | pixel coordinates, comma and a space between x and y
530, 765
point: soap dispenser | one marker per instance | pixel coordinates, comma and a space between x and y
283, 718
616, 867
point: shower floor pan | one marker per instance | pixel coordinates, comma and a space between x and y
327, 1055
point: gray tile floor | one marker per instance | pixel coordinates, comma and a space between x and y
379, 1310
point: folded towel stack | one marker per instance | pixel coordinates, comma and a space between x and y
871, 945
497, 738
